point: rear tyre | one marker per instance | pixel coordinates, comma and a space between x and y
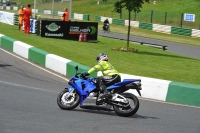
66, 102
131, 109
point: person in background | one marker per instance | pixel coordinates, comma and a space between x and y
105, 23
110, 76
65, 16
21, 17
37, 16
27, 16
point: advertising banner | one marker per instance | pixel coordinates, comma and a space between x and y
6, 17
32, 26
189, 17
74, 29
68, 30
53, 29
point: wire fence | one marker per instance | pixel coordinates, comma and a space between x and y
157, 17
149, 16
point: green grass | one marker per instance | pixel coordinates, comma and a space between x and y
174, 9
149, 62
83, 6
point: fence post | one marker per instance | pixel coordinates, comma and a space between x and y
199, 21
165, 18
135, 16
181, 19
151, 15
121, 14
112, 15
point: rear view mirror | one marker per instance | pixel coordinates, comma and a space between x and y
76, 68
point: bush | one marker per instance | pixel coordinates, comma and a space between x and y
124, 49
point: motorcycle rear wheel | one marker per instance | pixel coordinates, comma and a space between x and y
68, 102
130, 110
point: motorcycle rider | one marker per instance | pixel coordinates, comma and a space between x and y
105, 23
110, 76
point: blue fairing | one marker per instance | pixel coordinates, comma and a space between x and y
120, 84
83, 92
70, 88
132, 80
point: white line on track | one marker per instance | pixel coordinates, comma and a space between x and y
68, 80
34, 64
26, 86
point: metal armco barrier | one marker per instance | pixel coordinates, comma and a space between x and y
163, 47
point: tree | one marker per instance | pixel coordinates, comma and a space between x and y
130, 5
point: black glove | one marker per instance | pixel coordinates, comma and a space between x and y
84, 74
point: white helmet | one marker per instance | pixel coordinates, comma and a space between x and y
101, 57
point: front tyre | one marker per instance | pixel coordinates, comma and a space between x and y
129, 110
108, 29
67, 101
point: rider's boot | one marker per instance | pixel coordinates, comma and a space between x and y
106, 95
103, 96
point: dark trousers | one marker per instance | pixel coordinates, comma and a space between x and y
105, 81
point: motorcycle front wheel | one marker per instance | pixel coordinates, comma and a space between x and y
129, 110
66, 101
108, 29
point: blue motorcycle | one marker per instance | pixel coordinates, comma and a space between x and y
82, 91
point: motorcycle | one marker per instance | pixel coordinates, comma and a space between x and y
106, 27
82, 91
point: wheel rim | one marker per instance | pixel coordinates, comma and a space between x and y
68, 100
128, 108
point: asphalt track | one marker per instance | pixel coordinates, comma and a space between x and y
28, 105
181, 49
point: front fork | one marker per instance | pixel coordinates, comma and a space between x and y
71, 93
70, 90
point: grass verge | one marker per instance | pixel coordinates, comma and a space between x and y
148, 62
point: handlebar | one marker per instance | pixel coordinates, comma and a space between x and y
78, 75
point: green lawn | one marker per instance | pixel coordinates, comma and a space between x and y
148, 62
90, 7
174, 9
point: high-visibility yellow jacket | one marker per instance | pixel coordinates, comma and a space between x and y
105, 67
